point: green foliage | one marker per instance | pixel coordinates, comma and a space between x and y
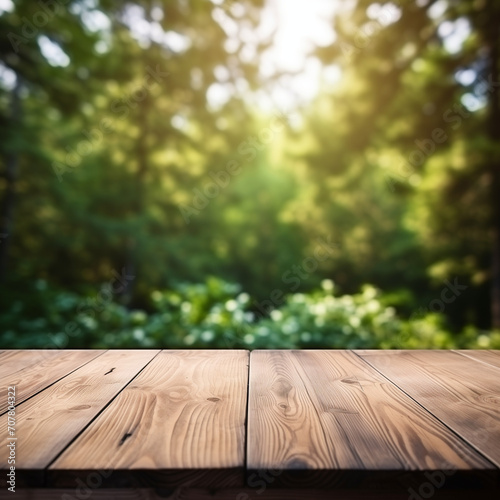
217, 314
104, 151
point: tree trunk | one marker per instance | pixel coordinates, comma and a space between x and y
7, 206
494, 135
132, 264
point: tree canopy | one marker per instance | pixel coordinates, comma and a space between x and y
153, 139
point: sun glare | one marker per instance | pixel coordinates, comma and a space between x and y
296, 27
299, 26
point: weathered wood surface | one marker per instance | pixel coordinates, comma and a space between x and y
489, 357
464, 393
49, 421
329, 410
178, 421
33, 371
184, 412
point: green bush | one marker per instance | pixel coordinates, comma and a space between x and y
217, 314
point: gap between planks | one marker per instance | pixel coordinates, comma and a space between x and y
467, 404
52, 418
66, 361
302, 418
185, 414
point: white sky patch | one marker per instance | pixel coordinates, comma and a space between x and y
145, 31
438, 9
156, 13
472, 102
332, 74
176, 42
296, 28
300, 26
307, 83
227, 24
180, 122
95, 21
7, 77
384, 14
6, 6
82, 6
445, 29
218, 95
231, 45
52, 52
102, 46
222, 73
454, 41
466, 77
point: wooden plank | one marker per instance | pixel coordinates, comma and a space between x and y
328, 410
48, 422
489, 357
11, 361
32, 371
461, 392
184, 417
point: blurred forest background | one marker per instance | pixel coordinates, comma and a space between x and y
243, 174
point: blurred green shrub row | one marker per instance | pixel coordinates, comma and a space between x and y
217, 314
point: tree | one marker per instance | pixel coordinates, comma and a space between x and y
416, 92
122, 120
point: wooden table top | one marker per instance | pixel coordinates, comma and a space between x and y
228, 419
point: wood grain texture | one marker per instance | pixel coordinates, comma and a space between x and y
462, 392
329, 410
489, 357
15, 360
326, 420
184, 412
48, 422
33, 371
